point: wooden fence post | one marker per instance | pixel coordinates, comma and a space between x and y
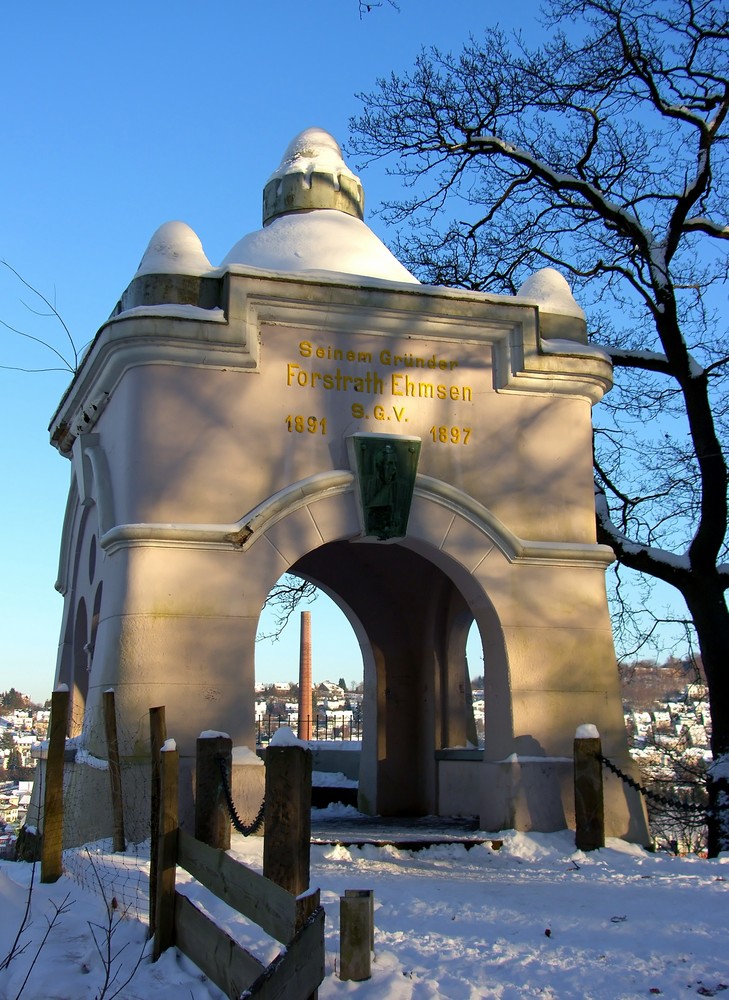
112, 745
164, 934
356, 934
287, 841
589, 806
368, 894
212, 820
52, 839
157, 737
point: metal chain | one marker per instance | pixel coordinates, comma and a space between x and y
656, 796
246, 829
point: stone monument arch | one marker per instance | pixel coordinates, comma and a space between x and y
422, 453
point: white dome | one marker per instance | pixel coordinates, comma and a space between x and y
319, 240
313, 207
175, 248
550, 291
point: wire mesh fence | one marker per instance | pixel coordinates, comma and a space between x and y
121, 879
106, 824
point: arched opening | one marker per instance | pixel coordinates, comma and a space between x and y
79, 573
80, 669
337, 669
412, 623
476, 660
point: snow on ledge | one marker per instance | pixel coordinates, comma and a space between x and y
353, 745
332, 779
246, 756
214, 315
555, 346
84, 757
516, 758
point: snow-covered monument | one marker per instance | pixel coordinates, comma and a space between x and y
422, 454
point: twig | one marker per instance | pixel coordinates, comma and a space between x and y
60, 908
24, 924
107, 955
38, 340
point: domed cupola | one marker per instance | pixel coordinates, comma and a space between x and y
313, 208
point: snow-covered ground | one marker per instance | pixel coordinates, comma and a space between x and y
534, 918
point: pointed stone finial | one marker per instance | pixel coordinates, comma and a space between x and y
551, 291
312, 175
560, 317
175, 248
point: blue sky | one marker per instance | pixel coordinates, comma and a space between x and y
115, 119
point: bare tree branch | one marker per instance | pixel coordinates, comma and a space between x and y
53, 312
284, 600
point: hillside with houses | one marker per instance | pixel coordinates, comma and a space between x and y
22, 728
336, 710
665, 708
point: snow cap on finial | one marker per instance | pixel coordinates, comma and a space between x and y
312, 174
549, 289
560, 317
313, 208
175, 248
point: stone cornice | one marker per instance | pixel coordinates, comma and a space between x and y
242, 534
228, 337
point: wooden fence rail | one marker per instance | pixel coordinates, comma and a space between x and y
297, 922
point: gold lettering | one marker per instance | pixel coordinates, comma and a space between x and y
371, 381
327, 352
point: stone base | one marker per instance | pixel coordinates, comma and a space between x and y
537, 793
87, 810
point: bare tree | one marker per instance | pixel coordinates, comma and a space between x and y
367, 6
47, 310
602, 152
284, 599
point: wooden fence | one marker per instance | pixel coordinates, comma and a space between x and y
282, 905
297, 922
51, 845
